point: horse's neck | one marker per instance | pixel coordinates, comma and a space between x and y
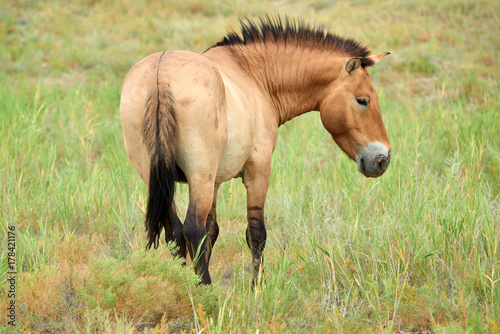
297, 86
294, 80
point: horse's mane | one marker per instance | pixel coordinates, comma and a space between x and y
274, 31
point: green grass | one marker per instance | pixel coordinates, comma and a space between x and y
415, 250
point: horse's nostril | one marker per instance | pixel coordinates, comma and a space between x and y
381, 161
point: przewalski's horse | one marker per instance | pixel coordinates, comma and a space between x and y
207, 118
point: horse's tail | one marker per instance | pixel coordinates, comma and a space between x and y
160, 133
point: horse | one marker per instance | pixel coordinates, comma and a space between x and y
203, 119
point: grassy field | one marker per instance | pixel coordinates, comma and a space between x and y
414, 251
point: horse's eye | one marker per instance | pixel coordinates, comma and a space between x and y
363, 101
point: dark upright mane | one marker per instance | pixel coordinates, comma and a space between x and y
272, 30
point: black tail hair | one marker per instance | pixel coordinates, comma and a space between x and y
160, 132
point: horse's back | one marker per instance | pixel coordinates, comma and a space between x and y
190, 77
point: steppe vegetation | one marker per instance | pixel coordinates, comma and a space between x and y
414, 251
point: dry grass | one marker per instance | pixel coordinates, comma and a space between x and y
84, 276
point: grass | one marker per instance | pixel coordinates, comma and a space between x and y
413, 251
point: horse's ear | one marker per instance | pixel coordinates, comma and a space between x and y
352, 64
372, 60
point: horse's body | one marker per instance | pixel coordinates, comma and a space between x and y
205, 119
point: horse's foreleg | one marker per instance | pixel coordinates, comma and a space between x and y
195, 227
173, 233
256, 180
256, 235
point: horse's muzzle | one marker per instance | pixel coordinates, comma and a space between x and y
373, 160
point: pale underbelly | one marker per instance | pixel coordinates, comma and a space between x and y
232, 163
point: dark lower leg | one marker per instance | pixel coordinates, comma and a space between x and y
256, 236
173, 233
197, 239
212, 226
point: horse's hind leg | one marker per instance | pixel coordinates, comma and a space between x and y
173, 233
195, 229
212, 226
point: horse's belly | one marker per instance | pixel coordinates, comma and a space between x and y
232, 161
237, 149
230, 167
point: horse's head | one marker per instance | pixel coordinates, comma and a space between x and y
350, 112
